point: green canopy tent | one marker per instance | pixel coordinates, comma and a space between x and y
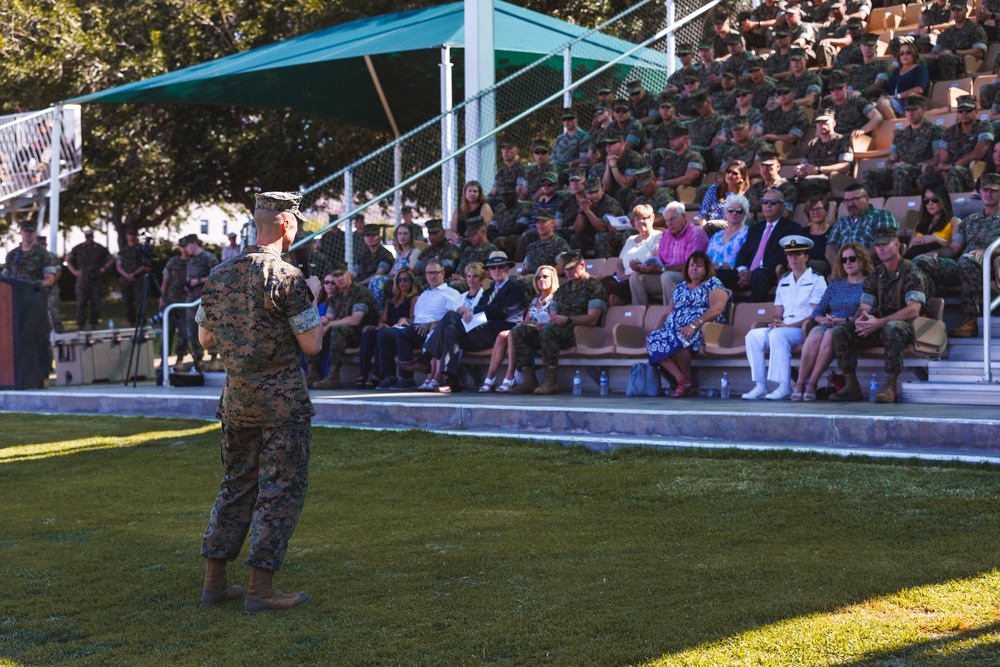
376, 72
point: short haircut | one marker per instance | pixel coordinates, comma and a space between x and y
642, 211
738, 200
675, 206
476, 268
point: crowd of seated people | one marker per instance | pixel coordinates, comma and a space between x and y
769, 158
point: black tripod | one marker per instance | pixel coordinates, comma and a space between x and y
139, 336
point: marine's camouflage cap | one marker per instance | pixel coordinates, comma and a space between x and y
883, 235
869, 38
593, 185
915, 102
966, 102
280, 202
990, 182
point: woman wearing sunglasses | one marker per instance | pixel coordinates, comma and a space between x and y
910, 78
397, 311
839, 303
725, 244
937, 221
735, 181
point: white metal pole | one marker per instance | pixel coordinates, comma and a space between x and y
55, 182
449, 130
567, 77
671, 38
349, 231
480, 74
397, 176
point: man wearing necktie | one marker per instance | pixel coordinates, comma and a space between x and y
503, 304
761, 254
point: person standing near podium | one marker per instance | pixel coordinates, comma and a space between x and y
88, 261
30, 261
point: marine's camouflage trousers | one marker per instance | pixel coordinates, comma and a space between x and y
893, 336
960, 180
342, 336
88, 303
549, 339
813, 185
900, 180
604, 244
265, 476
966, 273
55, 317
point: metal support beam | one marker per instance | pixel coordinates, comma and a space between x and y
349, 227
55, 181
449, 137
568, 77
480, 74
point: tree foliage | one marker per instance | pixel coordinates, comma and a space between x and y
144, 165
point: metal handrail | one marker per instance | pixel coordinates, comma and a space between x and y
500, 128
988, 306
165, 364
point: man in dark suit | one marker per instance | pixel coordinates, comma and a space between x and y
502, 305
762, 253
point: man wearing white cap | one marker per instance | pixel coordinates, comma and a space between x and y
797, 296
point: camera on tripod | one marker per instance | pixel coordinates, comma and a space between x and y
146, 252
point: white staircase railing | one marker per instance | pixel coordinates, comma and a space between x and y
989, 304
26, 150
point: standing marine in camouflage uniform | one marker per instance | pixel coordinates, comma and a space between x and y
829, 153
581, 300
548, 245
349, 311
52, 293
969, 243
199, 266
258, 310
173, 290
965, 38
892, 296
29, 261
132, 268
914, 149
968, 140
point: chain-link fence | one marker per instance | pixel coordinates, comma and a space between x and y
416, 171
26, 154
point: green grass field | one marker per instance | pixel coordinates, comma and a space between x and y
421, 549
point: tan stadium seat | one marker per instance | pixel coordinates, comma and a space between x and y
911, 18
595, 266
724, 340
599, 341
945, 94
901, 206
611, 266
630, 339
980, 81
883, 135
886, 18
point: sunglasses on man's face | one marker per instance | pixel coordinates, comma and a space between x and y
772, 202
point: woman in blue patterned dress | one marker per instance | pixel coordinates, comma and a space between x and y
839, 303
725, 244
700, 298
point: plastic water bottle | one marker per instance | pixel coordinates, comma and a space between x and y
111, 324
872, 389
577, 384
604, 383
724, 386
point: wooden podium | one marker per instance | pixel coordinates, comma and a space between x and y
24, 335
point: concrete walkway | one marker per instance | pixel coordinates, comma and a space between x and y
967, 433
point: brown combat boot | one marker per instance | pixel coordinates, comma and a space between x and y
529, 384
263, 597
551, 384
891, 390
851, 390
331, 381
969, 328
216, 588
314, 374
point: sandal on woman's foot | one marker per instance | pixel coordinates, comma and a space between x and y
796, 395
429, 385
505, 386
373, 382
487, 386
808, 397
361, 382
684, 388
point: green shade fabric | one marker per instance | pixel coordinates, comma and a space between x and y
323, 73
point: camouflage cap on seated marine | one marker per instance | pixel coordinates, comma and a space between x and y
435, 225
371, 229
966, 103
279, 202
779, 33
544, 214
678, 130
568, 114
755, 64
884, 235
837, 78
869, 38
643, 176
29, 226
603, 91
633, 85
666, 103
621, 104
570, 259
797, 54
507, 189
577, 175
914, 102
958, 4
507, 143
824, 116
734, 38
700, 97
474, 224
539, 145
611, 137
706, 45
989, 182
684, 50
593, 185
739, 123
550, 176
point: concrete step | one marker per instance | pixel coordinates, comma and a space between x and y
951, 393
959, 371
971, 349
